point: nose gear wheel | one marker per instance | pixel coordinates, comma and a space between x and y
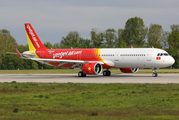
154, 72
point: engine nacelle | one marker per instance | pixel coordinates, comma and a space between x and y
129, 70
92, 68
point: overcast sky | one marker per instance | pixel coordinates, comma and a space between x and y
54, 19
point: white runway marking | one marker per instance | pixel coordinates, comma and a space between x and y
73, 78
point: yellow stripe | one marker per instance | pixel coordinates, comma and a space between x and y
31, 46
98, 51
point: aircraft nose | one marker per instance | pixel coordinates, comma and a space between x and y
171, 61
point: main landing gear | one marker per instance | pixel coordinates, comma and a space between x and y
154, 72
106, 73
81, 74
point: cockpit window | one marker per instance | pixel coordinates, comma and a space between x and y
165, 54
162, 54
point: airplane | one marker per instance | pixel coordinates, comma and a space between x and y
93, 61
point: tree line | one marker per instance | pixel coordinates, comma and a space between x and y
134, 33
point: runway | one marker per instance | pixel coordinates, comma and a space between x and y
73, 78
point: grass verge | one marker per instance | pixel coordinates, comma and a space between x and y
88, 101
68, 71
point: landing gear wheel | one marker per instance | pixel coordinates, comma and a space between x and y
84, 75
81, 74
154, 72
106, 73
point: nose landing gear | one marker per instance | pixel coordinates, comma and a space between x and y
154, 72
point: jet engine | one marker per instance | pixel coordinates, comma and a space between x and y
129, 70
92, 68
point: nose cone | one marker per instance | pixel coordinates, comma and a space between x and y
171, 61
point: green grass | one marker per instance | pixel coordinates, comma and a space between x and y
67, 71
47, 71
56, 101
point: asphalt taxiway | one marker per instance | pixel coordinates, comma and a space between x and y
73, 78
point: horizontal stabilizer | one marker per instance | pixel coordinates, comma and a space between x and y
11, 52
17, 53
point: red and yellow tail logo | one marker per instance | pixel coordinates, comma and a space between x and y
32, 38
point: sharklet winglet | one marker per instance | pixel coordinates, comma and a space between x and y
18, 53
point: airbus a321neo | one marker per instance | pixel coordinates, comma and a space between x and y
93, 61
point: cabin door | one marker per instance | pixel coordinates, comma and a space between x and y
148, 58
116, 56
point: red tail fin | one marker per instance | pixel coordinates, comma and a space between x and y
32, 38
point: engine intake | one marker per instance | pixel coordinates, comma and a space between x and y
92, 68
129, 70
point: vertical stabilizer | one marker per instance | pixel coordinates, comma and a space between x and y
34, 42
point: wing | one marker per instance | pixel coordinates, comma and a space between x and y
64, 61
61, 62
58, 60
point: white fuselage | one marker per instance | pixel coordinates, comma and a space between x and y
116, 57
136, 58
